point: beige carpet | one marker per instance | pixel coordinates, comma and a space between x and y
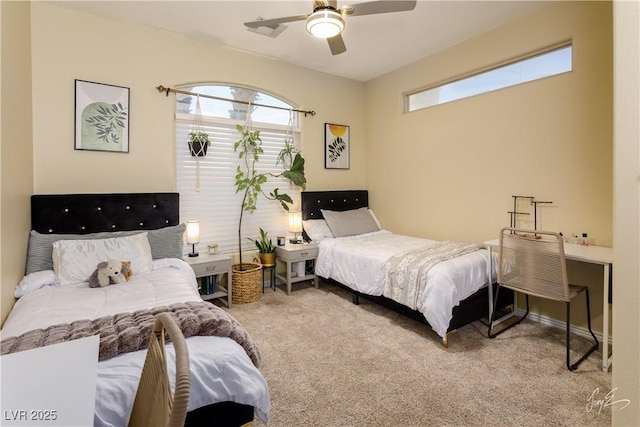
331, 363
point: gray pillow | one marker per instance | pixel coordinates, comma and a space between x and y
165, 243
350, 223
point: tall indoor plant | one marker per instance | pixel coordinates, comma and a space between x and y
250, 181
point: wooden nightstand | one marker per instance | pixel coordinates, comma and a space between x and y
210, 268
292, 253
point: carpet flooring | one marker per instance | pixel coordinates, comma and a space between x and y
329, 362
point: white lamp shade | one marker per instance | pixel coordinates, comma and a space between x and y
295, 222
193, 232
325, 23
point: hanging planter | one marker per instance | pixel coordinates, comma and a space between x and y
198, 143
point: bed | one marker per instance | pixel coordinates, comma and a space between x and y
442, 284
227, 388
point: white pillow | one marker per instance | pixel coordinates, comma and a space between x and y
34, 281
317, 229
75, 260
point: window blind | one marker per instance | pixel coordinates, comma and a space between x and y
217, 205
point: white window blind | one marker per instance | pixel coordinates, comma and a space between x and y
216, 205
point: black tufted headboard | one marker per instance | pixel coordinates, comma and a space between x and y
91, 213
313, 201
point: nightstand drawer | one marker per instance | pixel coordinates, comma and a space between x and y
297, 254
212, 267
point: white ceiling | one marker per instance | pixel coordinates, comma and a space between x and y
376, 44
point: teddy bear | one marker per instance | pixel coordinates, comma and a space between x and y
110, 272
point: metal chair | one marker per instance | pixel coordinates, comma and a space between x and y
155, 404
533, 262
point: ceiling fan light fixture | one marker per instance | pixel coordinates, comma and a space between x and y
325, 23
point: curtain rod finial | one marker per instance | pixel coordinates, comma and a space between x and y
166, 90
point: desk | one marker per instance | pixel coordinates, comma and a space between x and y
593, 255
51, 386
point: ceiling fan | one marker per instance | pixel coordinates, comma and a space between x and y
327, 20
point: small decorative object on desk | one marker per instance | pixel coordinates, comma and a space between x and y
281, 240
213, 248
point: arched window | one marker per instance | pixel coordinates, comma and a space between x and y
207, 183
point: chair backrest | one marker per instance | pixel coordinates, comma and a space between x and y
155, 404
533, 262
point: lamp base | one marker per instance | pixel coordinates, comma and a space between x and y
295, 241
193, 252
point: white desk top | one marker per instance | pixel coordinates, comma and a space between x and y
592, 254
50, 386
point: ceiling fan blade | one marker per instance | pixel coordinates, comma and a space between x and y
274, 22
373, 7
336, 45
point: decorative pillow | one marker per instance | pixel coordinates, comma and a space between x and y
165, 243
317, 229
75, 260
350, 223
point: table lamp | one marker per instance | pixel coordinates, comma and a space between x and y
295, 226
193, 236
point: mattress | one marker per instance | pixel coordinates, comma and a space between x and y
220, 368
359, 263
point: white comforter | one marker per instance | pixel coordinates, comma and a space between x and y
220, 368
358, 262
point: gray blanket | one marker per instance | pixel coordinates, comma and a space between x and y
127, 332
405, 274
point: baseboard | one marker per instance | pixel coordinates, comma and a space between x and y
545, 320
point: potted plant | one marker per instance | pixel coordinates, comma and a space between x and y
266, 248
198, 143
249, 181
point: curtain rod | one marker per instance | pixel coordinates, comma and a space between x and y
168, 90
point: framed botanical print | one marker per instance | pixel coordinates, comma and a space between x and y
101, 117
336, 146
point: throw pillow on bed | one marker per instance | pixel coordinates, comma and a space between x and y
351, 222
75, 260
317, 229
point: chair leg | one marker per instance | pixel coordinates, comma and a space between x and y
594, 347
495, 304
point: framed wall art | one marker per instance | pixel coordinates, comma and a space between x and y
101, 117
336, 146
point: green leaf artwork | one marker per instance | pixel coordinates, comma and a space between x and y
104, 122
336, 148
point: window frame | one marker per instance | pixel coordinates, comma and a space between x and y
478, 72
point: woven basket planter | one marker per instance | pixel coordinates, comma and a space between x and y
247, 284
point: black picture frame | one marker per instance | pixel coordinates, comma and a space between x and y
336, 146
101, 121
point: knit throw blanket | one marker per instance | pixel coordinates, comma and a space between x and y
405, 274
127, 332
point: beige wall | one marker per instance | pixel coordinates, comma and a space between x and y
626, 237
453, 168
449, 171
16, 152
68, 45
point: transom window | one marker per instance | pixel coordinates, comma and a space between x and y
207, 184
548, 63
